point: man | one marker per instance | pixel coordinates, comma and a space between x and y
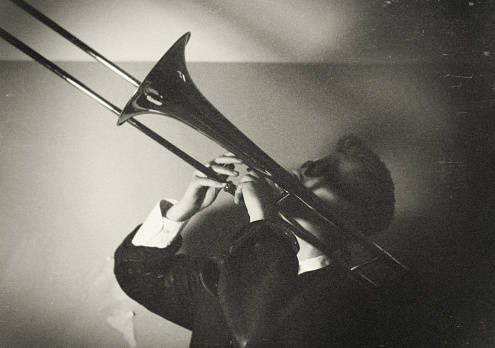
269, 289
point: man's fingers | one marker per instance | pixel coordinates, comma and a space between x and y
224, 170
225, 164
251, 176
207, 182
199, 174
226, 159
253, 172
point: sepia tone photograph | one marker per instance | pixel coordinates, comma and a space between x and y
266, 173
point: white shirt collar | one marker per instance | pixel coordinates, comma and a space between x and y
313, 264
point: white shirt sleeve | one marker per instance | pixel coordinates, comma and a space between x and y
158, 231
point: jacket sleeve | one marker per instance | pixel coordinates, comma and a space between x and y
257, 282
164, 282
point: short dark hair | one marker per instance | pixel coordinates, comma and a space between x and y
361, 178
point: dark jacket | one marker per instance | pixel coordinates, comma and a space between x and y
250, 296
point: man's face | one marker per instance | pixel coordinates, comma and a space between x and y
311, 174
317, 176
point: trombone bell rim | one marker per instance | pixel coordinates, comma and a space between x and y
176, 52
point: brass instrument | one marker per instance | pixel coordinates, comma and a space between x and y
168, 90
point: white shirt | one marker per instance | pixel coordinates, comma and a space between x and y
157, 231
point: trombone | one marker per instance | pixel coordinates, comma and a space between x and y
169, 90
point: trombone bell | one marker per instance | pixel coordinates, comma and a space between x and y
169, 90
166, 87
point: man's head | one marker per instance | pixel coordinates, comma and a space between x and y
353, 177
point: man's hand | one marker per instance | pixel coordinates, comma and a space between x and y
257, 195
202, 191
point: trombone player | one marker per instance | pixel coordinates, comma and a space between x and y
269, 288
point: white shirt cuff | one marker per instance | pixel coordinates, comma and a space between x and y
158, 231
